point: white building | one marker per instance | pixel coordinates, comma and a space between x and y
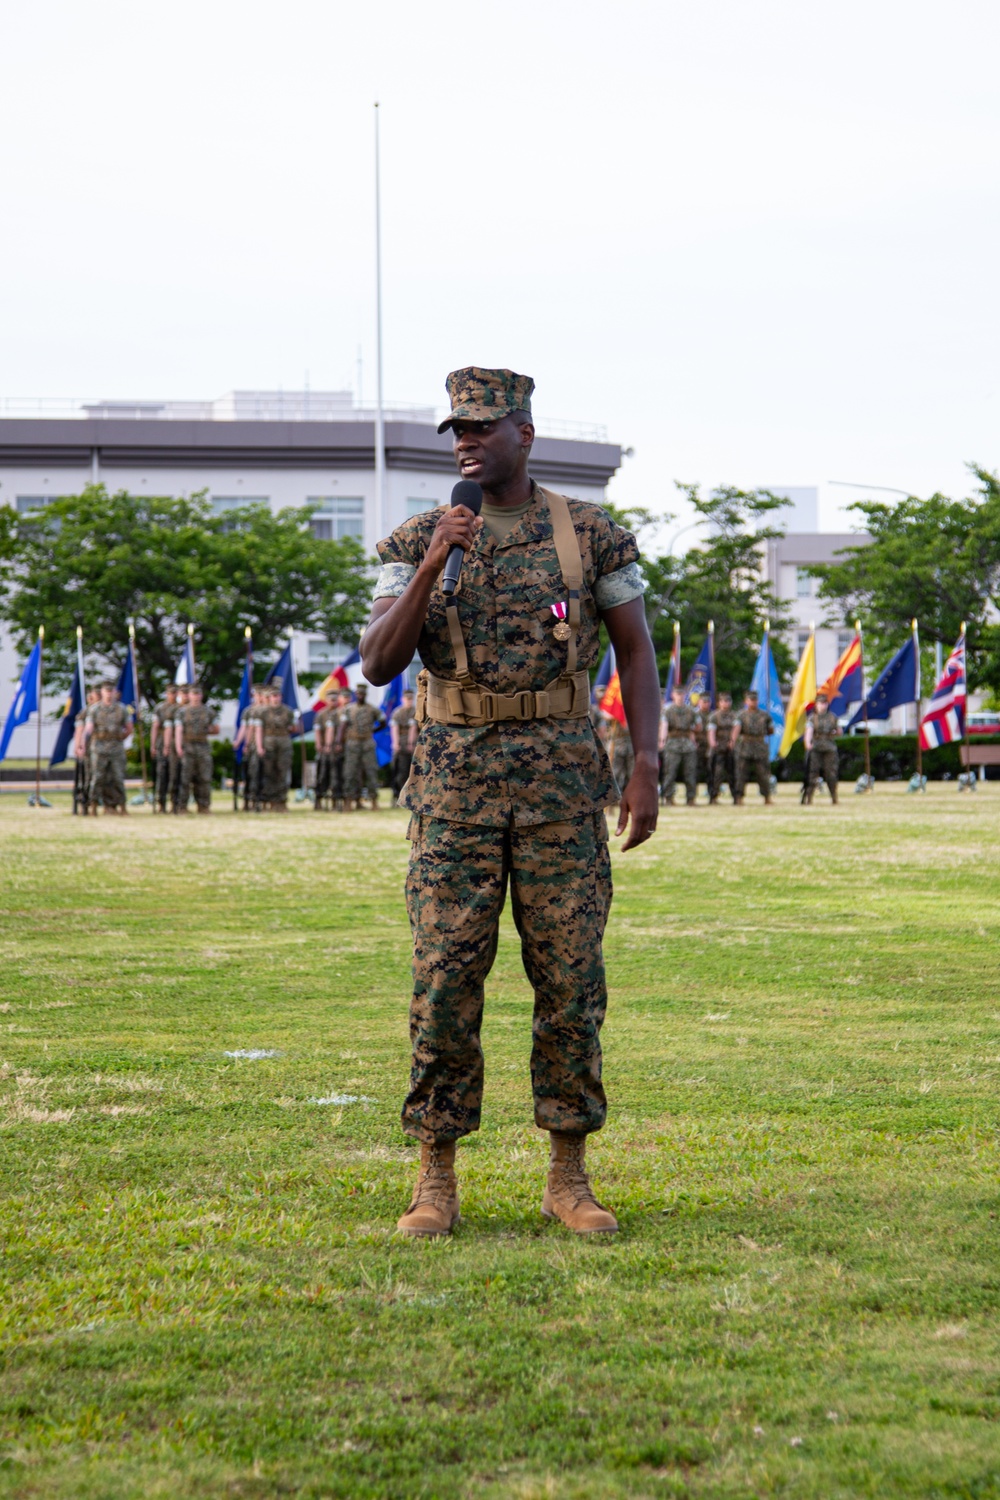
282, 449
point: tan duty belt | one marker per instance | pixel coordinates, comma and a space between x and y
565, 697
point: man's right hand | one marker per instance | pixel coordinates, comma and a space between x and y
456, 528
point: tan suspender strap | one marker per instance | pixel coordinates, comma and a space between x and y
458, 643
570, 565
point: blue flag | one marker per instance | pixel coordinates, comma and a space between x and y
284, 668
128, 685
674, 678
67, 724
701, 679
185, 667
391, 701
26, 700
765, 684
898, 683
246, 695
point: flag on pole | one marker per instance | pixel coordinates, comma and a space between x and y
611, 700
74, 703
768, 689
128, 680
944, 720
284, 668
701, 679
27, 699
383, 737
803, 697
845, 683
604, 674
897, 684
245, 699
674, 677
185, 667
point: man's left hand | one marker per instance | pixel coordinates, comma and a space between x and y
640, 802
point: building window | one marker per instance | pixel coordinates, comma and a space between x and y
337, 517
27, 503
325, 655
844, 639
801, 642
221, 503
803, 583
416, 505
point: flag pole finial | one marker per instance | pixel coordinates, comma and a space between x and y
190, 628
812, 627
79, 632
857, 626
677, 627
41, 632
962, 631
131, 631
767, 627
913, 626
711, 627
246, 632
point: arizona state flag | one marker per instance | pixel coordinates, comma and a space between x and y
611, 702
845, 683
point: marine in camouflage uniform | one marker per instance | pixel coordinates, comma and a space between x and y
404, 736
160, 739
276, 723
175, 773
325, 727
721, 767
247, 738
619, 747
821, 748
193, 726
360, 721
751, 750
680, 751
109, 724
508, 787
81, 770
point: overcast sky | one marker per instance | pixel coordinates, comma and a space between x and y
756, 240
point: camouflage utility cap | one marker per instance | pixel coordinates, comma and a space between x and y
478, 395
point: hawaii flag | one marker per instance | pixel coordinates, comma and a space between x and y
944, 720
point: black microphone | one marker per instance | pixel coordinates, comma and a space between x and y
470, 494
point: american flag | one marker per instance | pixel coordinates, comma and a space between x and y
944, 720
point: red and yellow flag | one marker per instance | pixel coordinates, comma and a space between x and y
611, 702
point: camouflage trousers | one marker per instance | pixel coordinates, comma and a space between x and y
161, 781
825, 763
401, 763
196, 777
680, 755
276, 771
107, 773
360, 770
560, 881
622, 763
753, 762
721, 769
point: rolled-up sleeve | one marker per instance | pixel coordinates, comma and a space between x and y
612, 589
393, 579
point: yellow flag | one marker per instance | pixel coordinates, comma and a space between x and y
803, 692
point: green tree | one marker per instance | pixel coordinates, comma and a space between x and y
720, 580
99, 560
935, 560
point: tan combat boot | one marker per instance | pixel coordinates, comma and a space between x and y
434, 1209
568, 1194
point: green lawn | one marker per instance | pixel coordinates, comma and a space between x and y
201, 1291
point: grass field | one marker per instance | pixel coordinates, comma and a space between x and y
202, 1292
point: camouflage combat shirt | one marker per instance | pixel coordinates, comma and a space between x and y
323, 720
403, 718
196, 721
361, 721
542, 770
755, 724
722, 721
825, 731
111, 721
163, 714
680, 720
277, 722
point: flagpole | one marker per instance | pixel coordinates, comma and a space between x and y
194, 666
965, 712
916, 659
864, 709
379, 416
138, 715
303, 758
38, 733
236, 769
711, 659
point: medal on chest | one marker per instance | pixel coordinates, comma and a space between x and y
561, 629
